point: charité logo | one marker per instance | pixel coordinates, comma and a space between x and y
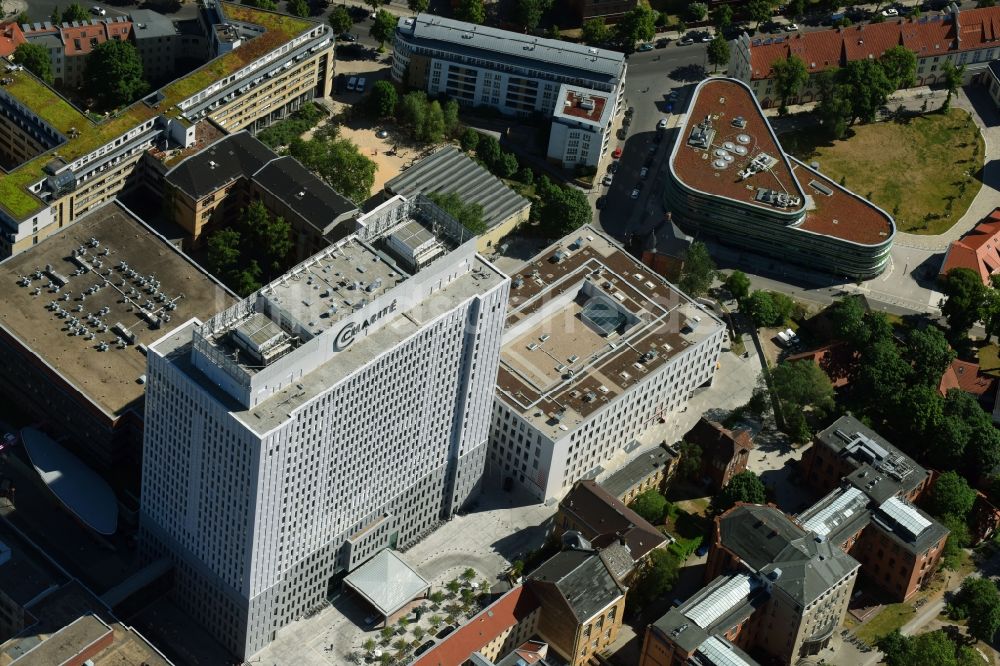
350, 331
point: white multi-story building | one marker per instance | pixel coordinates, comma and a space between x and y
514, 73
342, 409
581, 127
597, 349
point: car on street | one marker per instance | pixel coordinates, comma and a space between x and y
643, 172
791, 27
629, 111
613, 167
601, 201
626, 121
635, 194
347, 37
702, 550
891, 11
99, 11
704, 38
607, 180
622, 133
662, 124
645, 46
662, 42
686, 41
617, 153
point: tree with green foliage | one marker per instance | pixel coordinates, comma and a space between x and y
340, 19
737, 284
488, 150
469, 215
266, 238
651, 505
282, 132
759, 11
689, 466
114, 72
989, 310
722, 17
964, 296
507, 165
382, 100
655, 580
847, 316
950, 495
451, 122
638, 25
697, 11
883, 373
900, 66
981, 4
929, 352
418, 6
560, 210
790, 75
247, 281
35, 58
698, 270
338, 162
473, 11
528, 13
434, 124
75, 12
223, 252
412, 112
762, 309
22, 18
469, 139
298, 8
718, 51
935, 648
525, 175
835, 108
798, 386
979, 440
595, 31
743, 487
952, 80
56, 16
383, 27
870, 87
267, 5
958, 539
978, 600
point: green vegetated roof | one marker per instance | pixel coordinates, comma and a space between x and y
61, 115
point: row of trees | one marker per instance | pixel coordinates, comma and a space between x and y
337, 161
978, 601
285, 131
935, 648
113, 70
428, 121
638, 25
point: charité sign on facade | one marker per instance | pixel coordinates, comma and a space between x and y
352, 329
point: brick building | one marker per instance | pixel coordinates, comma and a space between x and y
724, 452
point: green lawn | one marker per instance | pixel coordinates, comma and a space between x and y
914, 170
688, 530
989, 360
890, 618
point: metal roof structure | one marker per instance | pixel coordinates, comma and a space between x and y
450, 170
722, 600
905, 516
552, 52
387, 582
850, 502
602, 316
79, 488
720, 652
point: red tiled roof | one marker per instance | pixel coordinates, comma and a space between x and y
77, 40
10, 38
508, 611
979, 28
837, 360
965, 376
979, 250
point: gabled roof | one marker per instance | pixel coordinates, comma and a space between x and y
582, 580
965, 376
235, 156
506, 612
978, 250
11, 36
302, 191
717, 442
604, 519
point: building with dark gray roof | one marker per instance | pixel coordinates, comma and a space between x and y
158, 41
650, 470
451, 170
212, 186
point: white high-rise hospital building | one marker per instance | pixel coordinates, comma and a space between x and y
343, 408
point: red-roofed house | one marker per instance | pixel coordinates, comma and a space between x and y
836, 359
69, 44
504, 625
978, 250
11, 37
970, 37
965, 376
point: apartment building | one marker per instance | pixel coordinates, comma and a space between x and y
340, 410
963, 37
728, 177
282, 63
158, 41
69, 44
597, 348
212, 187
517, 74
